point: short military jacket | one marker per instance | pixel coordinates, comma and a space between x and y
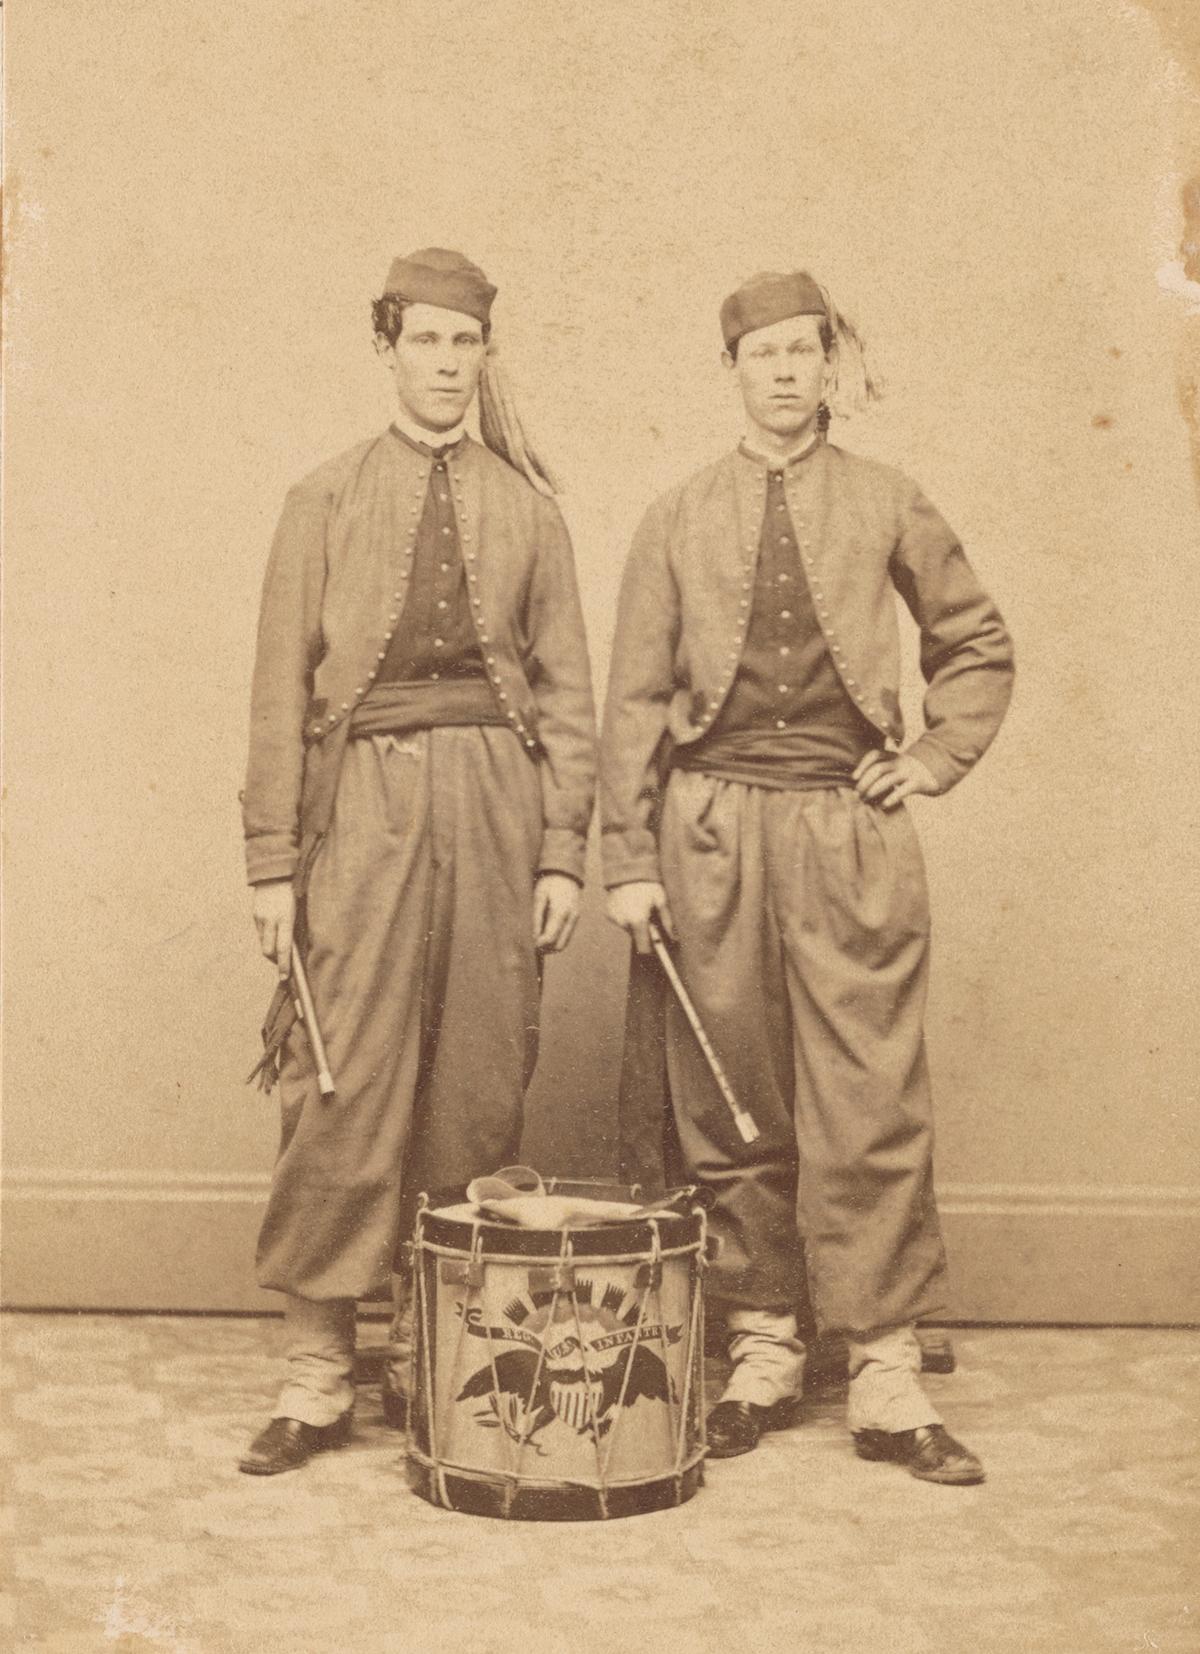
335, 591
863, 532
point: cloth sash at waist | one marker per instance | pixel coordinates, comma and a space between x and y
392, 708
793, 759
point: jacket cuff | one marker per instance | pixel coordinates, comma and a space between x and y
563, 851
629, 862
267, 860
944, 769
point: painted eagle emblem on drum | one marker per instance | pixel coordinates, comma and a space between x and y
580, 1363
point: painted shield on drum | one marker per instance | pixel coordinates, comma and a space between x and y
563, 1370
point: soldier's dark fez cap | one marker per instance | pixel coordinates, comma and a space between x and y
437, 276
770, 297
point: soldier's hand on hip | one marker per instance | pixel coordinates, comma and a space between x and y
275, 918
632, 906
555, 911
888, 778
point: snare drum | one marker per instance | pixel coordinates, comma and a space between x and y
558, 1374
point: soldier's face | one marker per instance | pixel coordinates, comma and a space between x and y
782, 371
435, 364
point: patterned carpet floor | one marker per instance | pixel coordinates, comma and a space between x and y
130, 1529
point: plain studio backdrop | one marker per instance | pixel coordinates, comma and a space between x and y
203, 200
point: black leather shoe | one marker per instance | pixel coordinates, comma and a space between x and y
930, 1453
735, 1426
286, 1444
395, 1404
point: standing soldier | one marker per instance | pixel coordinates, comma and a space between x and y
753, 785
419, 789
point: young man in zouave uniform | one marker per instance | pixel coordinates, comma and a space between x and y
752, 793
419, 789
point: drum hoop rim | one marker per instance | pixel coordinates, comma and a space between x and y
489, 1226
588, 1260
517, 1479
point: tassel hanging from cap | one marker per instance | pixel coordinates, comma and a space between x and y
501, 428
851, 352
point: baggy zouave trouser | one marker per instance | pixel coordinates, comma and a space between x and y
803, 932
426, 983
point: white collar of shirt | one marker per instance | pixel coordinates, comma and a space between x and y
419, 433
776, 462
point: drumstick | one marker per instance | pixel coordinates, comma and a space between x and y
308, 1016
747, 1130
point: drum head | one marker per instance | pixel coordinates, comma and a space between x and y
450, 1220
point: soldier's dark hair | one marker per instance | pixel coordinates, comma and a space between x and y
826, 339
387, 317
